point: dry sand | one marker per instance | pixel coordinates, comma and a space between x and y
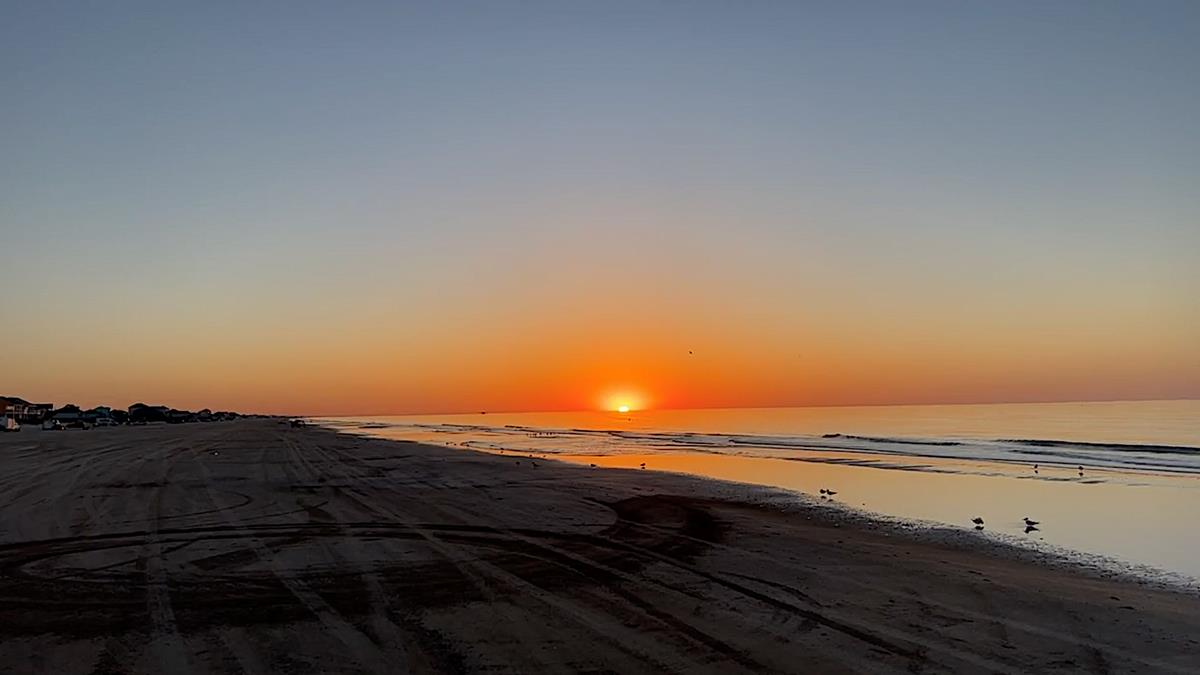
252, 547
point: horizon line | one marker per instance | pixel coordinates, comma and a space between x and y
754, 407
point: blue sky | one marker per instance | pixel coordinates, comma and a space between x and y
1030, 160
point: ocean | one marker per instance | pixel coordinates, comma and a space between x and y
1148, 435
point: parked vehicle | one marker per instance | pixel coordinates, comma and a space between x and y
105, 422
9, 424
51, 425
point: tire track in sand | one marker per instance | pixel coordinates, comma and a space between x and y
1083, 643
484, 572
391, 638
166, 642
360, 646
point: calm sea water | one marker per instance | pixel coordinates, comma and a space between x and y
1151, 435
1120, 480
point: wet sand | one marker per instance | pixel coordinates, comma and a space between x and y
1123, 521
252, 547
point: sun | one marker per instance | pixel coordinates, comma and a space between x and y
622, 400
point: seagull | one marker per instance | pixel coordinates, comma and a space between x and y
643, 465
830, 493
822, 490
1030, 528
977, 520
1030, 523
1081, 470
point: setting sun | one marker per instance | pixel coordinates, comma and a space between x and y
623, 400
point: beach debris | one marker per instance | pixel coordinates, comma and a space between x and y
1031, 523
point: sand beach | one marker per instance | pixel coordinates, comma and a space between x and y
254, 547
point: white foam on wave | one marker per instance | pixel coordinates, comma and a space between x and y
1048, 452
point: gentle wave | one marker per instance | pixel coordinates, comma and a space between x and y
584, 441
1116, 447
884, 439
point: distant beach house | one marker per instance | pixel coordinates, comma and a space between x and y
180, 416
140, 413
23, 411
99, 416
68, 414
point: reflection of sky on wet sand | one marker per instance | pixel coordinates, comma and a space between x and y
1143, 519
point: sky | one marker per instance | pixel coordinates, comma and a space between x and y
339, 208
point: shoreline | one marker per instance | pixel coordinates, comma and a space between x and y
250, 542
962, 539
905, 491
1001, 544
